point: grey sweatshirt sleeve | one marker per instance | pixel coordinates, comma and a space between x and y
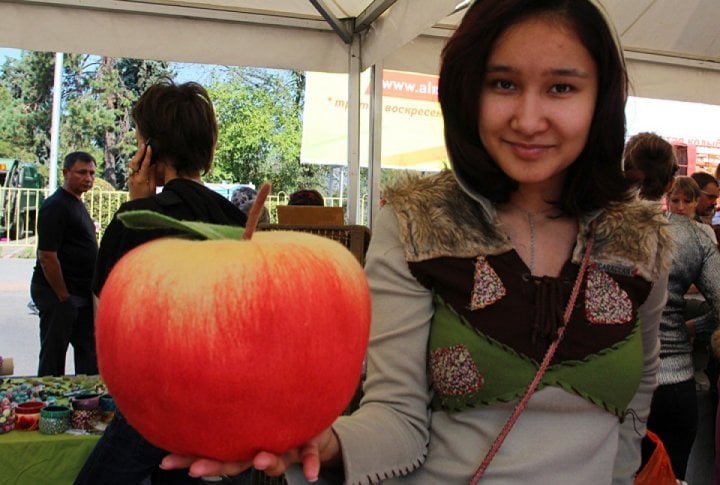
388, 435
708, 282
633, 428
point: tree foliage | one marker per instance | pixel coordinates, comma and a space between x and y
25, 120
97, 96
259, 114
99, 93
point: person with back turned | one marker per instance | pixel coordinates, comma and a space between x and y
177, 133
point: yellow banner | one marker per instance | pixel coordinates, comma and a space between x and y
412, 125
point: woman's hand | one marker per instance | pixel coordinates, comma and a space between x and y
203, 467
324, 448
141, 181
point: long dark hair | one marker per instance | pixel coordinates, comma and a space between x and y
595, 179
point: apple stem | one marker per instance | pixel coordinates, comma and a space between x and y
255, 211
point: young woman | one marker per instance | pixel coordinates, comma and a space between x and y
683, 200
471, 273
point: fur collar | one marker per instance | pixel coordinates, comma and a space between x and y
438, 218
635, 231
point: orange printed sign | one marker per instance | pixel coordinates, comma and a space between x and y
397, 84
412, 123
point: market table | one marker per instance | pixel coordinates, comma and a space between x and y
33, 458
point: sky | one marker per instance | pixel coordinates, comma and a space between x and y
669, 119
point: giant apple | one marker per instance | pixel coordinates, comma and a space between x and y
222, 348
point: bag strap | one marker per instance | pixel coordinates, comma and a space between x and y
520, 407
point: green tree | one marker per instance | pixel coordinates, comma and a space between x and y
84, 119
101, 92
98, 95
259, 116
259, 113
11, 128
25, 123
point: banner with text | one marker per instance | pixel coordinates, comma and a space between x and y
412, 124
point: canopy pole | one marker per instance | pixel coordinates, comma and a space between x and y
374, 166
55, 122
354, 132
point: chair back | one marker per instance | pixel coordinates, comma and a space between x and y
354, 237
310, 215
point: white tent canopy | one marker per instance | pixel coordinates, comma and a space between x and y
672, 47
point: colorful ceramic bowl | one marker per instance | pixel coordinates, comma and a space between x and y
107, 403
27, 415
107, 408
84, 418
86, 401
54, 419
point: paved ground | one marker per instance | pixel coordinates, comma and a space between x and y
18, 326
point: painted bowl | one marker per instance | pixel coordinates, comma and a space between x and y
107, 403
29, 407
27, 415
107, 408
84, 418
54, 419
86, 401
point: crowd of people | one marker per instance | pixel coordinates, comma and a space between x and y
695, 265
530, 305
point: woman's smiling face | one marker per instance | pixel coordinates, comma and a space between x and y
537, 101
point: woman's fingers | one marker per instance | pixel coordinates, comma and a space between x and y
272, 465
139, 161
146, 159
141, 176
172, 462
203, 467
310, 457
147, 170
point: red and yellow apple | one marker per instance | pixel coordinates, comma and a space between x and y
223, 348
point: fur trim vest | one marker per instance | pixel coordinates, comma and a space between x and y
494, 320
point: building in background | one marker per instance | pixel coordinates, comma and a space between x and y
696, 155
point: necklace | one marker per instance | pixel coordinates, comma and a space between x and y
520, 406
531, 217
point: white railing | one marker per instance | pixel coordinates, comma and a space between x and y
22, 206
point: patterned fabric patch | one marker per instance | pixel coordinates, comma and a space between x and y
488, 287
605, 301
453, 371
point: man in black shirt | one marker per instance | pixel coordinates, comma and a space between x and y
61, 282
